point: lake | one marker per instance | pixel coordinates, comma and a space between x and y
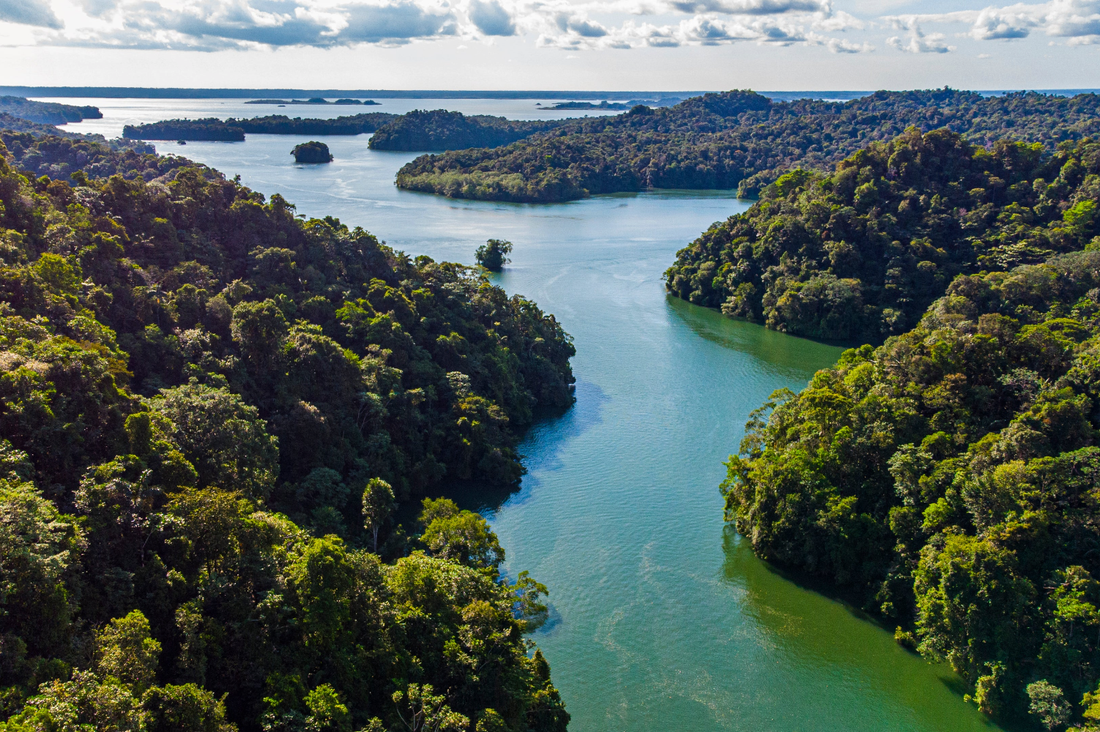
662, 617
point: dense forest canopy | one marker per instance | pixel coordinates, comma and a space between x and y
209, 405
950, 479
736, 139
860, 253
415, 131
234, 130
443, 130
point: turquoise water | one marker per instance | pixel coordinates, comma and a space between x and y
662, 617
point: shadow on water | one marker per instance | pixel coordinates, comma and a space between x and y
786, 354
817, 627
539, 449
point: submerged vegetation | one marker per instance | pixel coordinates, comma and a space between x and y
860, 253
209, 406
737, 139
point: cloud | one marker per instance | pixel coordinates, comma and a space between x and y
28, 12
491, 18
393, 23
917, 41
993, 24
1077, 21
839, 45
699, 30
579, 25
752, 7
1074, 19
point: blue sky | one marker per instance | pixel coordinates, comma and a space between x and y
552, 44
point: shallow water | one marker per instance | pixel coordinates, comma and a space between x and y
662, 617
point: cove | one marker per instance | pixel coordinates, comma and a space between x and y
662, 617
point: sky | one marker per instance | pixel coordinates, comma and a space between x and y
651, 45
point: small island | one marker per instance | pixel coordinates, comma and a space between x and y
313, 100
311, 152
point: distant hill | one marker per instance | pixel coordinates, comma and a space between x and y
737, 139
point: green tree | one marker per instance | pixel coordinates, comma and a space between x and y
378, 505
422, 710
222, 436
1048, 704
125, 650
460, 536
493, 255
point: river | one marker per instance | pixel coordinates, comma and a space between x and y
662, 617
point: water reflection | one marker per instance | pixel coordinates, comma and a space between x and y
855, 659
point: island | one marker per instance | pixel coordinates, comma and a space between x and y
276, 124
311, 152
441, 129
312, 101
48, 113
209, 129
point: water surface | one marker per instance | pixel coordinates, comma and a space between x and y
663, 619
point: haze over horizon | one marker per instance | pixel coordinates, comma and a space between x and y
552, 44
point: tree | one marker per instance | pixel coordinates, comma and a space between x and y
493, 255
460, 536
186, 708
1049, 704
378, 504
222, 436
126, 651
422, 710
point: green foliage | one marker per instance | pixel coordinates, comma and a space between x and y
860, 253
443, 130
185, 129
736, 139
126, 651
192, 381
222, 436
459, 536
1048, 704
311, 152
948, 480
493, 255
378, 505
276, 124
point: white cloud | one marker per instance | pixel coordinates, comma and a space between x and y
917, 41
993, 24
29, 12
1076, 21
569, 24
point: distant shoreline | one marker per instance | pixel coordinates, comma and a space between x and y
122, 92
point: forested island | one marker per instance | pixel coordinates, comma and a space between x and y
443, 130
209, 409
311, 152
312, 101
234, 130
209, 129
736, 139
47, 113
415, 131
859, 254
